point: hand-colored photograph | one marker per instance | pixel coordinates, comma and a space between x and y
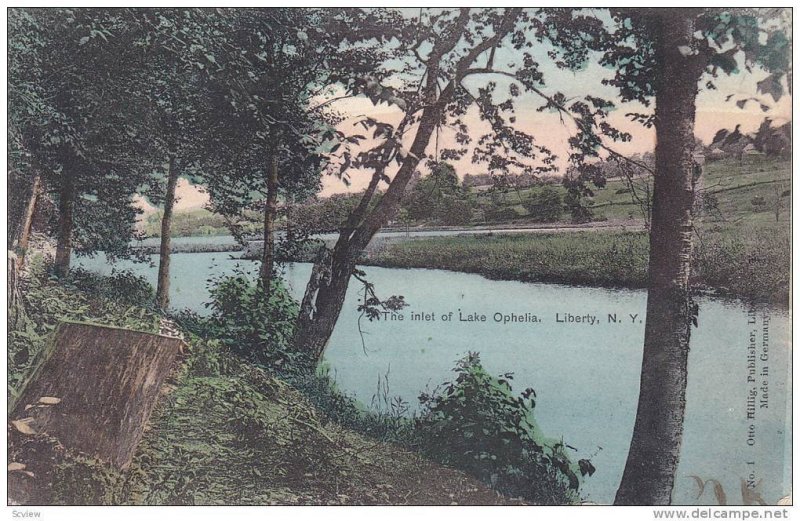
399, 256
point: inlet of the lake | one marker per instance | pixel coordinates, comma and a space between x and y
585, 373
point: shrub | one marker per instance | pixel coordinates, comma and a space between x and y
123, 286
580, 212
545, 206
248, 324
477, 424
209, 358
500, 213
454, 211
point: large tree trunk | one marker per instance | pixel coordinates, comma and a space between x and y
270, 212
24, 234
66, 205
162, 289
653, 458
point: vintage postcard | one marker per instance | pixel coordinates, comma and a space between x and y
399, 256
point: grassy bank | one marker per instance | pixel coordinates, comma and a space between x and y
747, 261
228, 431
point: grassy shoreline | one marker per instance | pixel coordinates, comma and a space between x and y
750, 261
227, 431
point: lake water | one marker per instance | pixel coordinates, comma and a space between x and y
586, 376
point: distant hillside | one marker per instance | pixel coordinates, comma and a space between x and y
753, 188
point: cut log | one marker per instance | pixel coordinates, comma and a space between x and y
96, 389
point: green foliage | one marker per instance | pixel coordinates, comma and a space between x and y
439, 198
545, 205
121, 286
325, 214
209, 357
71, 72
580, 211
455, 211
248, 324
386, 418
476, 423
590, 258
194, 222
118, 300
751, 262
79, 480
496, 213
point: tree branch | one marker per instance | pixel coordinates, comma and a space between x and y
565, 111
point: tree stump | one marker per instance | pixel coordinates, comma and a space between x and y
95, 390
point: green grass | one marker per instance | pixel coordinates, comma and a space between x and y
747, 260
750, 261
586, 258
734, 184
191, 223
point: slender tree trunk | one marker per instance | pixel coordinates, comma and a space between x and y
27, 222
318, 316
315, 324
653, 457
270, 211
14, 302
66, 204
289, 202
162, 290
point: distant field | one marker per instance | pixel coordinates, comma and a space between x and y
190, 223
734, 185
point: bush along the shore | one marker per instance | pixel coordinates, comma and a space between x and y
476, 423
252, 326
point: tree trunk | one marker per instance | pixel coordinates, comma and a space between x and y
289, 202
653, 457
107, 380
14, 302
27, 222
316, 321
162, 290
66, 204
270, 211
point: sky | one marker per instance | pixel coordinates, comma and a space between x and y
713, 113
